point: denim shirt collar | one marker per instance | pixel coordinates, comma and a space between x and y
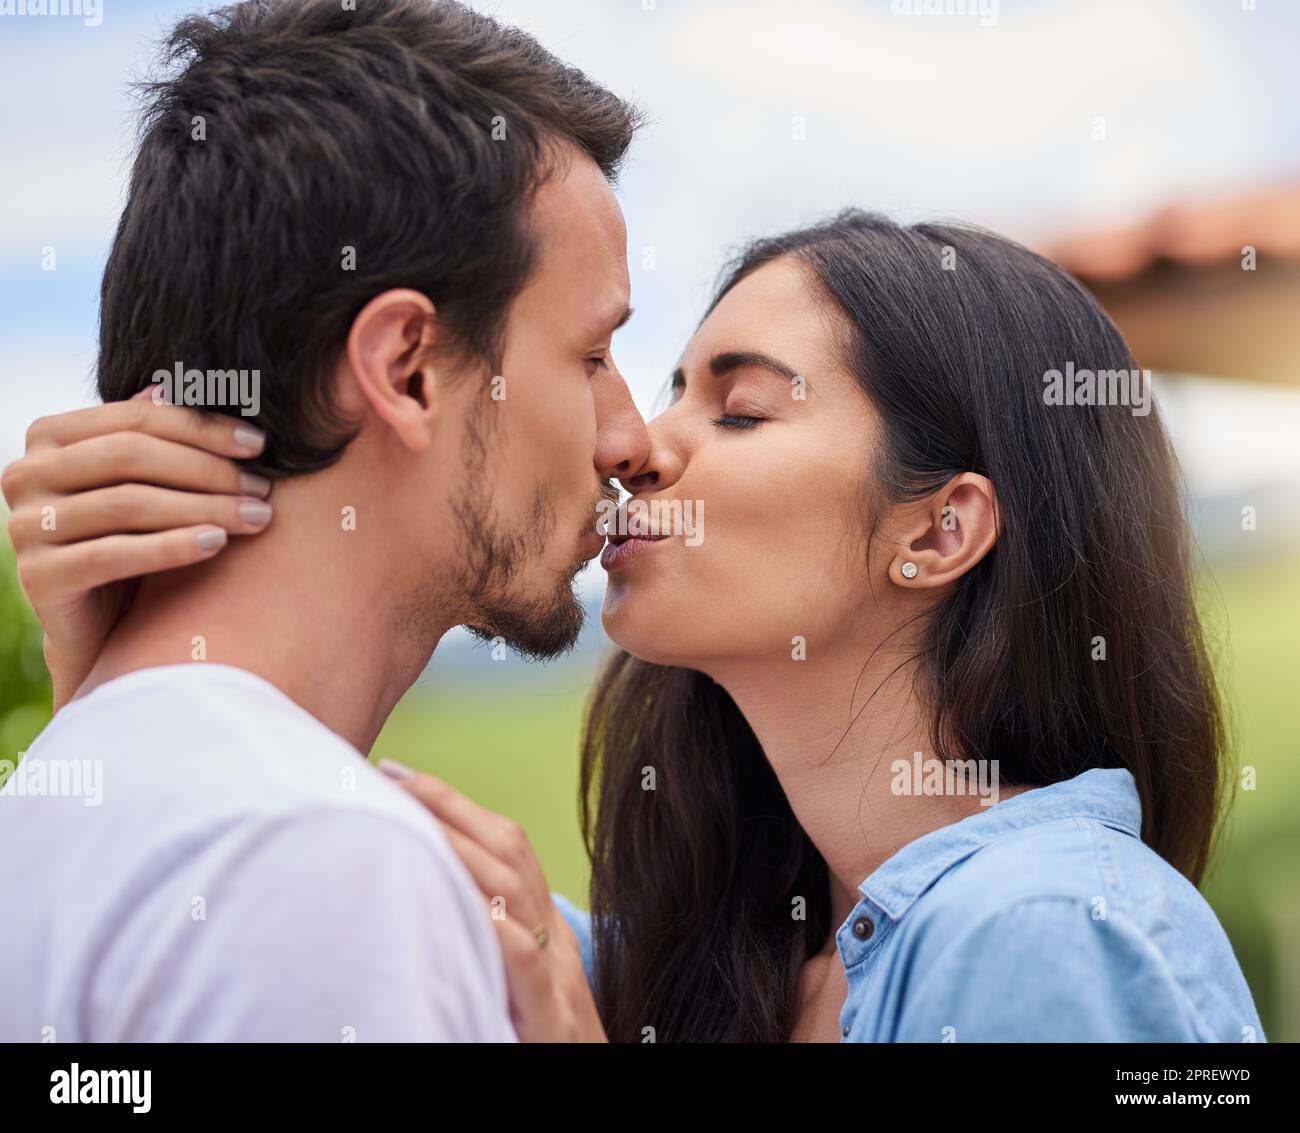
1108, 795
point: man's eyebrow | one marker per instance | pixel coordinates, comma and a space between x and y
616, 320
729, 360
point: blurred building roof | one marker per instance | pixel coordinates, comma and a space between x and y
1203, 287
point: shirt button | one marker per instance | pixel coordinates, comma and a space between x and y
863, 928
845, 1032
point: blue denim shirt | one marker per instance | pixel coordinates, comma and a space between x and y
1043, 918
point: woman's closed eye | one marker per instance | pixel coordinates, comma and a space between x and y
737, 421
741, 411
741, 417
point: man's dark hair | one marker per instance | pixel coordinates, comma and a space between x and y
286, 131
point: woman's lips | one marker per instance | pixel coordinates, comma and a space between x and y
619, 552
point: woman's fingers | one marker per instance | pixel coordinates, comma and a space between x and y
132, 508
107, 494
213, 432
121, 458
80, 567
550, 998
528, 980
499, 884
492, 834
501, 836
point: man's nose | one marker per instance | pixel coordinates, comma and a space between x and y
622, 440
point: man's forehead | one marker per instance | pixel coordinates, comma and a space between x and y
575, 209
580, 240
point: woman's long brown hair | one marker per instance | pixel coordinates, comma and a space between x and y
694, 882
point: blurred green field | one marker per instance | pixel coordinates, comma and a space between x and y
1254, 883
512, 746
514, 749
511, 743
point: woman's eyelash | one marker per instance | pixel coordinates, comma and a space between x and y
601, 362
734, 421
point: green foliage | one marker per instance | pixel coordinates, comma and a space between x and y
24, 683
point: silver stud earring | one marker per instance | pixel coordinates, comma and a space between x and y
909, 570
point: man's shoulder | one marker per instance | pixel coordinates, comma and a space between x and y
313, 924
207, 743
238, 871
190, 711
175, 773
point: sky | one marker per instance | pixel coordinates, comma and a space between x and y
763, 116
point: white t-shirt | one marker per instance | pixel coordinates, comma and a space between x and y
189, 856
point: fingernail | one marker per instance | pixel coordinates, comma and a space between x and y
395, 770
146, 392
211, 538
249, 439
256, 513
254, 484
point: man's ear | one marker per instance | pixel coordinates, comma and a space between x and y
388, 352
945, 535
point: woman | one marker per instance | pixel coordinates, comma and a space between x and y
919, 742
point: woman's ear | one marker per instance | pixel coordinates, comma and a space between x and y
947, 533
389, 355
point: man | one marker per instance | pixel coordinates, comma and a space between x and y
397, 223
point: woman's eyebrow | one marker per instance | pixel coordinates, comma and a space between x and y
728, 360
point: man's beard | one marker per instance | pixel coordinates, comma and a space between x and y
539, 627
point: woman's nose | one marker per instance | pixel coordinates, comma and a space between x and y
664, 461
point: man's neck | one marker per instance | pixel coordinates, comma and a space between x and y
307, 605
